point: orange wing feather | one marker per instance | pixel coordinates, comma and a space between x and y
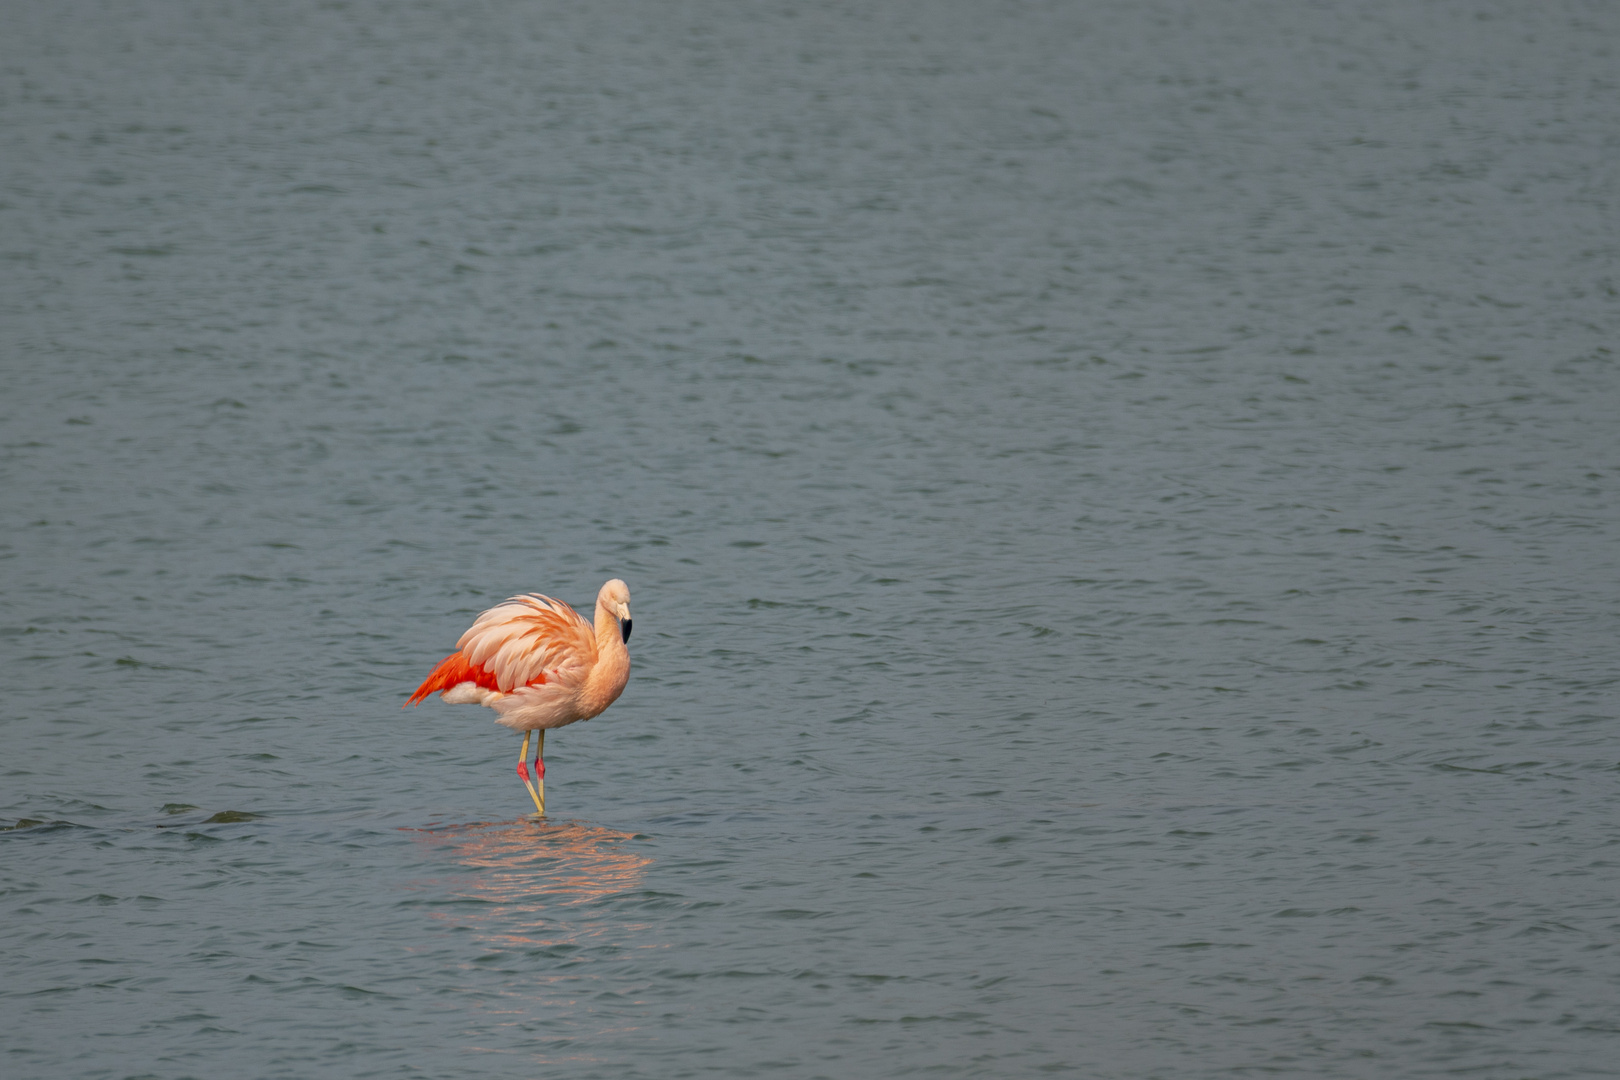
452, 671
512, 644
527, 639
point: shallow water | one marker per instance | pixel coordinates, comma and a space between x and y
1118, 501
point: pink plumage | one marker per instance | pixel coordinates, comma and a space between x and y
539, 664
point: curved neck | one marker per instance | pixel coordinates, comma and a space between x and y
608, 636
612, 668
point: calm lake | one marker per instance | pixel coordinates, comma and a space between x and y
1119, 501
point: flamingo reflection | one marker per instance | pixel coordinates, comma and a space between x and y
534, 872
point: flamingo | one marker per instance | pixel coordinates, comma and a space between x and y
539, 664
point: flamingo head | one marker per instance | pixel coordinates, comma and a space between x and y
615, 600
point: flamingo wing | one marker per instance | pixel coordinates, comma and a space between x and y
529, 640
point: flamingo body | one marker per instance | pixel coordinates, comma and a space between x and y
537, 662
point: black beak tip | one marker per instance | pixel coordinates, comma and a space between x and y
624, 629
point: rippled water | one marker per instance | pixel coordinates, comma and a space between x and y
1119, 501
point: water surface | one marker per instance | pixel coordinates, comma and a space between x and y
1119, 502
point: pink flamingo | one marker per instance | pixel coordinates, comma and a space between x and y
539, 665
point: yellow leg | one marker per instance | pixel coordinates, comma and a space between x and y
540, 767
523, 771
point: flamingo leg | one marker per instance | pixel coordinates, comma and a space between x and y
523, 761
540, 766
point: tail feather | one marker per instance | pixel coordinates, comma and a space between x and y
453, 670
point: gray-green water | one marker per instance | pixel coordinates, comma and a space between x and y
1119, 500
